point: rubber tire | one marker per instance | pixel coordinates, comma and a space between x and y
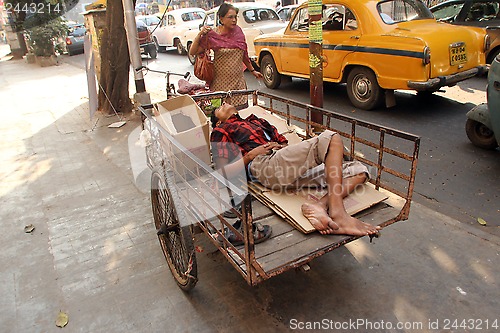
180, 49
179, 240
192, 59
159, 48
480, 135
374, 95
272, 79
153, 53
492, 56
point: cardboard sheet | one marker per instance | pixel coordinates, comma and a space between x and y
287, 203
289, 131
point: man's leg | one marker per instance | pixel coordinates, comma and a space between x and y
336, 221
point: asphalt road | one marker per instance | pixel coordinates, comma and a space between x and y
453, 177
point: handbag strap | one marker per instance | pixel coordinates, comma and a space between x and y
206, 47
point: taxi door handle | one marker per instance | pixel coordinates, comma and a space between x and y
354, 37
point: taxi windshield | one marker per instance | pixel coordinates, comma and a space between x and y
396, 11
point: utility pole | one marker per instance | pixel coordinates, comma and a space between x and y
141, 96
315, 11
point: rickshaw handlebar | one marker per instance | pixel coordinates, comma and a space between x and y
185, 75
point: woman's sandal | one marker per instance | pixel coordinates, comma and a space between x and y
260, 233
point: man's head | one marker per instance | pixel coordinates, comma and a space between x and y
224, 112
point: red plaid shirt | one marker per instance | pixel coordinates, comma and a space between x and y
237, 135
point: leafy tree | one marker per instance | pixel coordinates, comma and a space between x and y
43, 40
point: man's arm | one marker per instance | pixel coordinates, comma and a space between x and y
235, 168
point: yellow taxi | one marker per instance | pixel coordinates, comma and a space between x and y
375, 47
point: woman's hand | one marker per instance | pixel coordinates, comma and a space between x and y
204, 30
196, 48
257, 74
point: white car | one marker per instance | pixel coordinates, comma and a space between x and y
174, 25
286, 12
254, 19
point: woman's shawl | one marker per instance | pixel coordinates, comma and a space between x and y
234, 39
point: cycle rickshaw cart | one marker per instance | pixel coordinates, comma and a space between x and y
188, 196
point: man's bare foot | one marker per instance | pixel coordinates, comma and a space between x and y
317, 215
348, 225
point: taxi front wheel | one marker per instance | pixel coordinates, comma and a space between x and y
363, 89
272, 79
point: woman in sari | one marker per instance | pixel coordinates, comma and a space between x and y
230, 50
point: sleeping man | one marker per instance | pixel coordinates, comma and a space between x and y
314, 162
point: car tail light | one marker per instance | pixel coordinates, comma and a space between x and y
487, 43
427, 56
68, 41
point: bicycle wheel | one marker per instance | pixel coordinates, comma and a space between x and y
176, 242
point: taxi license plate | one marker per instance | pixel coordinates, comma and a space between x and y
458, 54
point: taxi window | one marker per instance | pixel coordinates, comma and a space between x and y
395, 11
448, 12
300, 21
482, 11
335, 17
338, 17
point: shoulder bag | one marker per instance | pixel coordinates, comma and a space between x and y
204, 65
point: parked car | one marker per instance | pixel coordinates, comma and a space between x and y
477, 13
151, 21
375, 47
75, 39
285, 13
146, 43
254, 19
174, 25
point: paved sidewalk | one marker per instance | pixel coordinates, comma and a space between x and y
94, 253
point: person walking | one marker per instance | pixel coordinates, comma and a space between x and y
230, 51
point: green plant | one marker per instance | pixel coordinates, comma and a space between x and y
43, 40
